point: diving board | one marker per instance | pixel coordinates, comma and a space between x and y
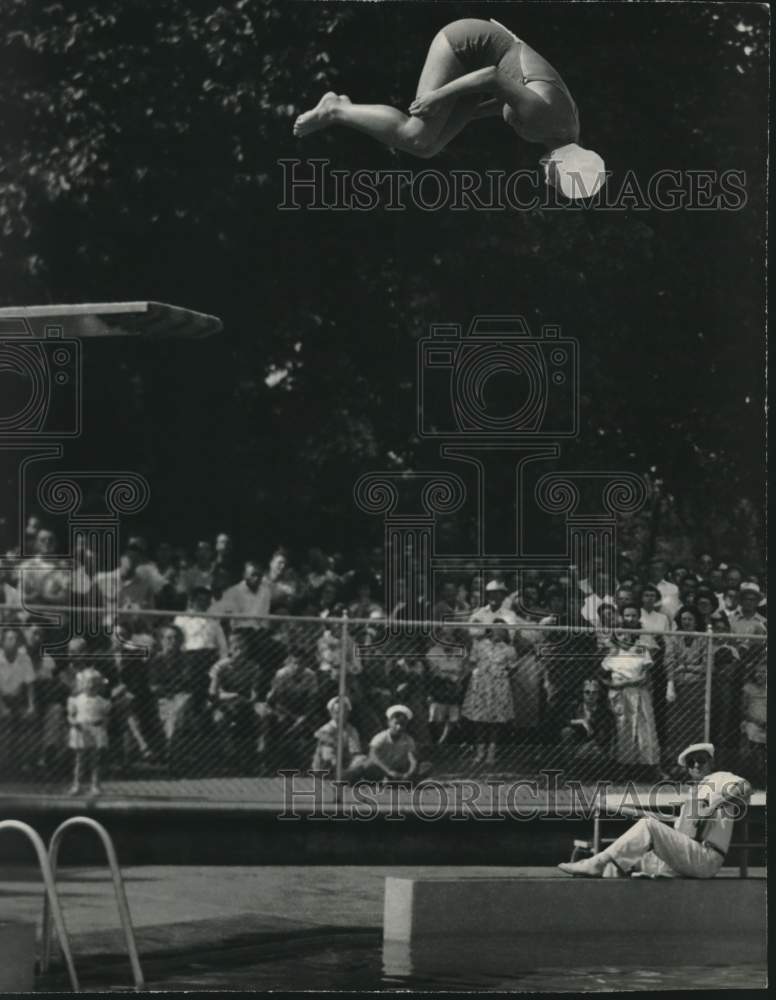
107, 319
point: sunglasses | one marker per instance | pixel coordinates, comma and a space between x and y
696, 761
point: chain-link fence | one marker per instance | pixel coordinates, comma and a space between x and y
164, 700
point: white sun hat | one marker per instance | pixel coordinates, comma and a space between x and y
695, 748
575, 171
398, 710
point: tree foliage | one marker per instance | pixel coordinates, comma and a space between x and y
140, 160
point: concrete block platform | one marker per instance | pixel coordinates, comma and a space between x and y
503, 926
17, 957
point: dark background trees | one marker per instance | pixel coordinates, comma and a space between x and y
140, 160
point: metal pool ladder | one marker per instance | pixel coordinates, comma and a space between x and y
52, 909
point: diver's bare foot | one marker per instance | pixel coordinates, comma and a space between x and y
320, 116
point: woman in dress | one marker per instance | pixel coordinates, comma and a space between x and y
488, 699
626, 672
477, 69
686, 676
527, 691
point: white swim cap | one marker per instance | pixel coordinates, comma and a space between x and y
575, 172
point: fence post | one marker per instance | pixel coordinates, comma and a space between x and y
341, 695
707, 699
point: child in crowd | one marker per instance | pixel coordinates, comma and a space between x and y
448, 670
87, 715
411, 686
392, 753
588, 735
325, 756
199, 632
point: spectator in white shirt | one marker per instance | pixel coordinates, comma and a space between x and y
652, 619
669, 592
45, 579
250, 597
601, 593
749, 621
200, 633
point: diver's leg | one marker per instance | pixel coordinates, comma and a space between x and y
419, 136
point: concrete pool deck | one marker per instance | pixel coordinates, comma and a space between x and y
186, 909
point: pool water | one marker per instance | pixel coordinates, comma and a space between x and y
355, 963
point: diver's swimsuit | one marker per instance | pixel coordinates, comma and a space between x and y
479, 43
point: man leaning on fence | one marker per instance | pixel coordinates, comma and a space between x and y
697, 844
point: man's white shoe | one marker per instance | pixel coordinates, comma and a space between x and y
588, 868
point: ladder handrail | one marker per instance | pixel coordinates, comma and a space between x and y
51, 899
118, 888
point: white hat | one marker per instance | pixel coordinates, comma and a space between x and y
495, 585
749, 585
83, 677
695, 748
576, 172
333, 703
398, 710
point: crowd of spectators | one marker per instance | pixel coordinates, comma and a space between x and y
582, 667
